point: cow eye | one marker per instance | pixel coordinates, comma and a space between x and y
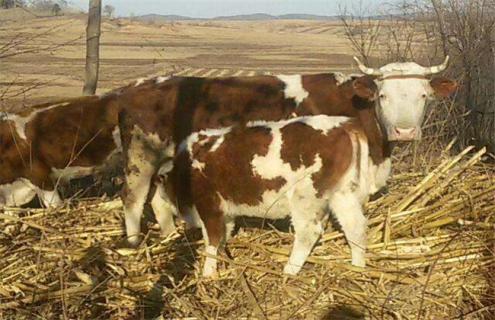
382, 96
423, 96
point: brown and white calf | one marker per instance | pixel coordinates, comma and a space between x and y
159, 113
306, 168
53, 141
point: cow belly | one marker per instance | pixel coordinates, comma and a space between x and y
277, 204
273, 206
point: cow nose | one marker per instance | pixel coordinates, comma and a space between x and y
405, 133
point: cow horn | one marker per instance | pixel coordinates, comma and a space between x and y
367, 70
439, 68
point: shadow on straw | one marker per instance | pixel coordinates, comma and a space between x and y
156, 301
342, 313
94, 264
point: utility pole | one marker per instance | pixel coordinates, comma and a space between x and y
92, 47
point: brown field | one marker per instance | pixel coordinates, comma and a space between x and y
130, 50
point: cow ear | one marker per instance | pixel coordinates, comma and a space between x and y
365, 87
443, 87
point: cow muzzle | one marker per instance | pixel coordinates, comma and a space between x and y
404, 134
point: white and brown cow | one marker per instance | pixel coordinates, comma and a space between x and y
53, 141
306, 168
158, 115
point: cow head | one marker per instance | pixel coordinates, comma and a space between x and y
404, 89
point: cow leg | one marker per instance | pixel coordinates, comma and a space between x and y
135, 194
229, 227
349, 213
191, 217
213, 233
307, 233
139, 171
164, 210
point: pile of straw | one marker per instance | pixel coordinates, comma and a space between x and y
430, 256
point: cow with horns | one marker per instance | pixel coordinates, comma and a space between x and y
305, 168
158, 115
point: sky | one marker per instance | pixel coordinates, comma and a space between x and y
213, 8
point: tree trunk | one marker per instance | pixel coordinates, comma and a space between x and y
92, 47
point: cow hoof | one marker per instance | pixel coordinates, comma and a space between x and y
210, 273
291, 269
164, 233
134, 241
210, 268
359, 262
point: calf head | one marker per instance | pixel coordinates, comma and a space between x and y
404, 89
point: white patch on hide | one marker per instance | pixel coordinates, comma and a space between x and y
294, 88
320, 122
194, 138
68, 173
117, 138
17, 193
161, 79
140, 81
341, 78
379, 174
22, 191
21, 121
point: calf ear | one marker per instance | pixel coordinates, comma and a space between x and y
443, 87
365, 88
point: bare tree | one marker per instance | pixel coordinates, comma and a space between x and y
361, 30
56, 9
7, 4
92, 47
109, 10
22, 43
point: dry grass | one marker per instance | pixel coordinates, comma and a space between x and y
430, 256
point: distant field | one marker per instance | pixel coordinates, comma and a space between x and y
132, 49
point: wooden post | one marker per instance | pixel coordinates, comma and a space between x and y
92, 47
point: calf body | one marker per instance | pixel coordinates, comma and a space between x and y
50, 142
304, 168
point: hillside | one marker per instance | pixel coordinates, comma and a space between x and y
242, 17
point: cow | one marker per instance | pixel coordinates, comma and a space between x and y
304, 167
51, 142
157, 114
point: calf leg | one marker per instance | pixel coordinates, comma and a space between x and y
164, 210
139, 171
307, 233
229, 227
191, 217
349, 213
213, 233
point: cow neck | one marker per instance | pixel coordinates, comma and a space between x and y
379, 147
